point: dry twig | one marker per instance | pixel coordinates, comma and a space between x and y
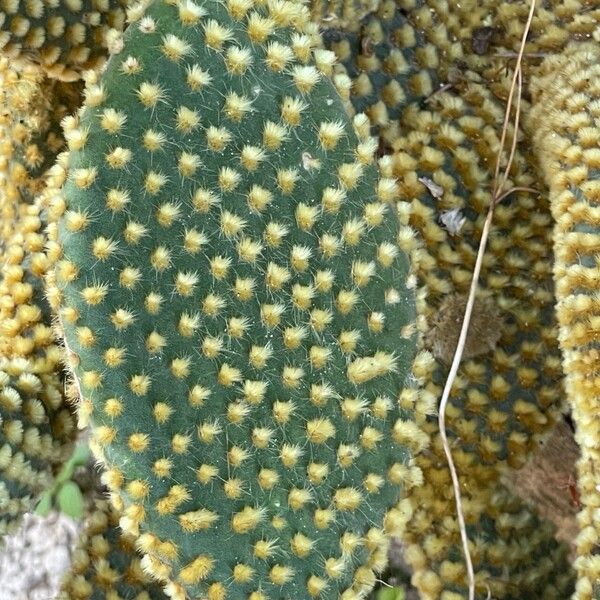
497, 196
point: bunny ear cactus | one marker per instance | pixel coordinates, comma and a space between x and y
238, 313
343, 14
64, 37
506, 396
439, 145
33, 437
485, 36
566, 132
24, 113
105, 564
515, 554
36, 428
389, 63
32, 107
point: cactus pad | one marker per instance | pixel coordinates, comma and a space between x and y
32, 107
390, 63
238, 311
105, 564
36, 428
565, 123
506, 395
515, 554
64, 37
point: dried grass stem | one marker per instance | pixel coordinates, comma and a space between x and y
497, 196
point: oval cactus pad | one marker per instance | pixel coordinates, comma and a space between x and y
237, 307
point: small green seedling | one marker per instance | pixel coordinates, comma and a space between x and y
390, 593
65, 494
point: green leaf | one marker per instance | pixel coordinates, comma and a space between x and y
78, 458
80, 455
70, 500
390, 593
44, 505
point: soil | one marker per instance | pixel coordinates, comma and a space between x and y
35, 557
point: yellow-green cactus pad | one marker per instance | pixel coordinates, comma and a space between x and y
36, 428
31, 109
442, 150
343, 14
565, 123
105, 564
514, 552
237, 309
64, 37
441, 144
486, 35
507, 394
29, 448
389, 63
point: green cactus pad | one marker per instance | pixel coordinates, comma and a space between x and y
239, 315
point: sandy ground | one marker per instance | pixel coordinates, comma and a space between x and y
34, 558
